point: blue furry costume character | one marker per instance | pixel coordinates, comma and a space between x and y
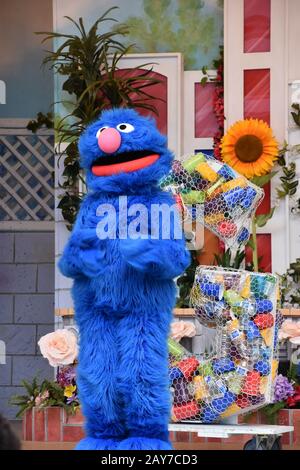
123, 287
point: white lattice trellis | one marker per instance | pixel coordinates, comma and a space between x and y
26, 176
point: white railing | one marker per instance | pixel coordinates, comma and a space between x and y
26, 177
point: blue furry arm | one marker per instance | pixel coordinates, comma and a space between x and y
163, 259
83, 254
163, 256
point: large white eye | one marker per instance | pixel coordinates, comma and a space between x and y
100, 130
125, 127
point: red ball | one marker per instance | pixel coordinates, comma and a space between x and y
188, 366
264, 320
227, 229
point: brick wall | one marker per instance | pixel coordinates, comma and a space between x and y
26, 308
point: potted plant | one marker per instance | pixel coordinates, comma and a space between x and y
50, 410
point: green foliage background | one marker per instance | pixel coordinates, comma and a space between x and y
177, 26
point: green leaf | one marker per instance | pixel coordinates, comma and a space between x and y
262, 219
250, 243
263, 180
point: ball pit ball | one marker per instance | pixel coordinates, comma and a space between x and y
222, 403
209, 416
233, 298
264, 320
181, 391
201, 392
243, 235
243, 401
264, 306
252, 331
223, 365
227, 229
191, 163
233, 197
263, 367
205, 369
174, 373
252, 383
193, 197
213, 290
186, 411
235, 183
226, 172
207, 172
188, 366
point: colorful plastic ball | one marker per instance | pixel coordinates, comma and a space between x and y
264, 306
208, 415
263, 367
223, 365
174, 373
227, 229
221, 404
243, 401
244, 235
264, 320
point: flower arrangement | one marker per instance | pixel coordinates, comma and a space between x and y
286, 395
60, 348
62, 392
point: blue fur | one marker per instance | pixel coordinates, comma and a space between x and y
123, 295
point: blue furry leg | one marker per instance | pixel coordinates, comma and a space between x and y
143, 376
144, 443
91, 443
100, 398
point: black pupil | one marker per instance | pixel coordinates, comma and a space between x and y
123, 127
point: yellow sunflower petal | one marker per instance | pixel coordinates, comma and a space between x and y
263, 162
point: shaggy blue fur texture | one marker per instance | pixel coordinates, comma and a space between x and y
123, 295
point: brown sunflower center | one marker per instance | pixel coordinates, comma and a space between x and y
248, 148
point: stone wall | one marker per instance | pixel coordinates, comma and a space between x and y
26, 308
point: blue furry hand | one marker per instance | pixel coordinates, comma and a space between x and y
163, 259
83, 255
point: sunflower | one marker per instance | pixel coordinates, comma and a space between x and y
250, 147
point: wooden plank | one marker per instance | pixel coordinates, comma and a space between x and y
184, 312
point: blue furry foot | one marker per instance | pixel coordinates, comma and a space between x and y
91, 443
144, 443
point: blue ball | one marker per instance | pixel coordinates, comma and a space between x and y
223, 365
263, 367
174, 373
264, 306
208, 415
221, 404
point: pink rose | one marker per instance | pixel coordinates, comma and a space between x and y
180, 329
290, 329
59, 347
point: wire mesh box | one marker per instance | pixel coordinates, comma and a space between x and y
238, 376
213, 193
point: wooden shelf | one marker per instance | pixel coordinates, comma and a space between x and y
183, 312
